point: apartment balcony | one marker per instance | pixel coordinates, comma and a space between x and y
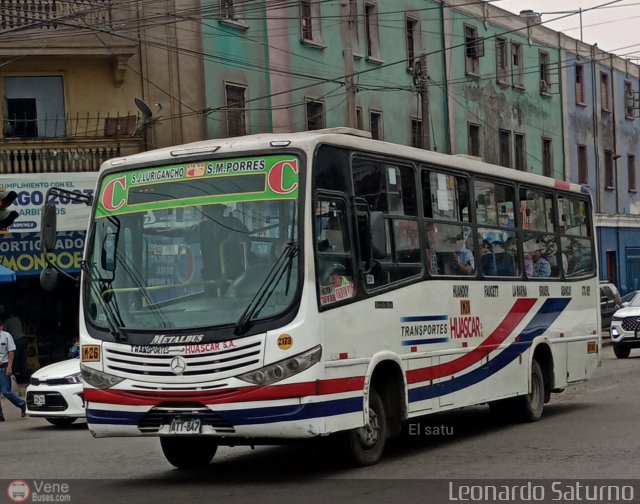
93, 29
68, 144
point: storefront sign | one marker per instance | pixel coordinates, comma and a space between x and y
20, 252
32, 189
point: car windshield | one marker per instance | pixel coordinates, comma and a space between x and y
166, 258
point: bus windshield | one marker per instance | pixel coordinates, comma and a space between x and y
192, 247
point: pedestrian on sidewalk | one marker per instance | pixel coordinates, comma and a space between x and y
13, 325
7, 351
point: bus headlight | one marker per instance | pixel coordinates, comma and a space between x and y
98, 379
283, 369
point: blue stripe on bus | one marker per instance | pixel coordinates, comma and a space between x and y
548, 313
424, 318
424, 341
246, 416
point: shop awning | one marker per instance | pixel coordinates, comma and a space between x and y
7, 275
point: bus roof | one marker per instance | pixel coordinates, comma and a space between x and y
340, 136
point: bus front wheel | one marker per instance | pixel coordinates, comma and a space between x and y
366, 444
188, 452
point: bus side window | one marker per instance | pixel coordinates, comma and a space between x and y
333, 250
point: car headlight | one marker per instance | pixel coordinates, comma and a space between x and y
616, 319
74, 378
283, 369
98, 379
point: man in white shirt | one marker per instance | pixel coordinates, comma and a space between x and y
7, 350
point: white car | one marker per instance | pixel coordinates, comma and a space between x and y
55, 393
625, 328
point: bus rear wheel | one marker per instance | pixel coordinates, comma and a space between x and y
189, 452
366, 444
531, 405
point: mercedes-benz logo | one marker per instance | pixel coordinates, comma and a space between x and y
178, 365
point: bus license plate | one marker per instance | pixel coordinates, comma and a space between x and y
182, 425
39, 400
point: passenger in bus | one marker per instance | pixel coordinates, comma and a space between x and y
577, 262
465, 263
541, 265
488, 264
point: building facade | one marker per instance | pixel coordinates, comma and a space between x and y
83, 82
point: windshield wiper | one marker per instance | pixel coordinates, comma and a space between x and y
283, 264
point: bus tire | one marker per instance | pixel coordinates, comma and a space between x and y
531, 405
621, 352
189, 452
366, 444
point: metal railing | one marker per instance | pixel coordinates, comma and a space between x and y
23, 127
63, 156
45, 13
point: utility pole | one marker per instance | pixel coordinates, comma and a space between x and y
346, 27
421, 82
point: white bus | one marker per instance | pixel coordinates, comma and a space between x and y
287, 286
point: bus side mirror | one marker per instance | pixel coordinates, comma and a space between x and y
48, 225
48, 278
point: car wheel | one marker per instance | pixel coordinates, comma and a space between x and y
60, 421
189, 453
621, 352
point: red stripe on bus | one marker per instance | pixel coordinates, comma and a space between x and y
561, 184
520, 308
244, 394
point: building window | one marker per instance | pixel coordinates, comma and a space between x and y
236, 114
629, 102
375, 120
310, 21
413, 41
604, 92
359, 120
315, 115
416, 133
231, 10
545, 81
580, 85
505, 148
631, 171
474, 140
520, 152
34, 107
474, 50
583, 170
354, 26
371, 30
502, 70
547, 158
608, 169
516, 64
